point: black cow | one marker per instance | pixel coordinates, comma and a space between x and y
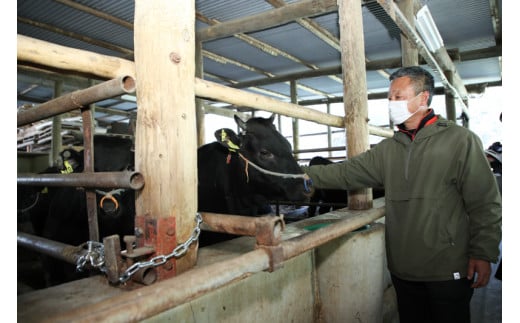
230, 184
60, 213
331, 199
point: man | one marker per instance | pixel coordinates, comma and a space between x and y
443, 208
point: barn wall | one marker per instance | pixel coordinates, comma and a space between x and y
352, 265
285, 295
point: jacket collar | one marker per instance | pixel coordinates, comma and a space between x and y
430, 129
428, 119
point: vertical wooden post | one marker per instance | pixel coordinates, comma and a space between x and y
295, 123
354, 90
166, 140
199, 72
410, 54
449, 99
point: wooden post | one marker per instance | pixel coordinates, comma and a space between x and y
449, 99
410, 56
354, 90
295, 123
199, 103
166, 141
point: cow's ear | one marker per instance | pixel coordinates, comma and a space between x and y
228, 138
241, 123
272, 117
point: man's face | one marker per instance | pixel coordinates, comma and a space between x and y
401, 89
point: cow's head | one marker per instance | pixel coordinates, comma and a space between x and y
70, 161
261, 144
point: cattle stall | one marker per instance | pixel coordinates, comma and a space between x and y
329, 268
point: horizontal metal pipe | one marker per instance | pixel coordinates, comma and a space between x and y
266, 229
77, 99
51, 248
177, 290
126, 179
234, 224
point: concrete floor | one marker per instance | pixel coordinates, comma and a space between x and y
486, 303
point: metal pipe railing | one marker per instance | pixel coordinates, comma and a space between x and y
126, 179
77, 99
55, 249
266, 229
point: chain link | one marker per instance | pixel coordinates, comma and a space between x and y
95, 256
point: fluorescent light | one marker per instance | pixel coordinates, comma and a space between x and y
428, 30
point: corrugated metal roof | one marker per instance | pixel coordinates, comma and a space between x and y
466, 26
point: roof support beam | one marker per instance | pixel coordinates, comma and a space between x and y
271, 18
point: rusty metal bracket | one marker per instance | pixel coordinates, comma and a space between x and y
269, 230
269, 237
275, 256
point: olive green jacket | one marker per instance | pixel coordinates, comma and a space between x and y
442, 201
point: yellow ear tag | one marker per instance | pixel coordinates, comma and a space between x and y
68, 168
224, 137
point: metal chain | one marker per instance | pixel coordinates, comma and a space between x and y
95, 255
179, 251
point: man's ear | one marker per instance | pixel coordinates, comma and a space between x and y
228, 138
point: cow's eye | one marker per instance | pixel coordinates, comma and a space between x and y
265, 154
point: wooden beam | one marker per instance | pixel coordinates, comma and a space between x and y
53, 55
32, 50
97, 13
275, 17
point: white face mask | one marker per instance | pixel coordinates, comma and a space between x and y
398, 111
